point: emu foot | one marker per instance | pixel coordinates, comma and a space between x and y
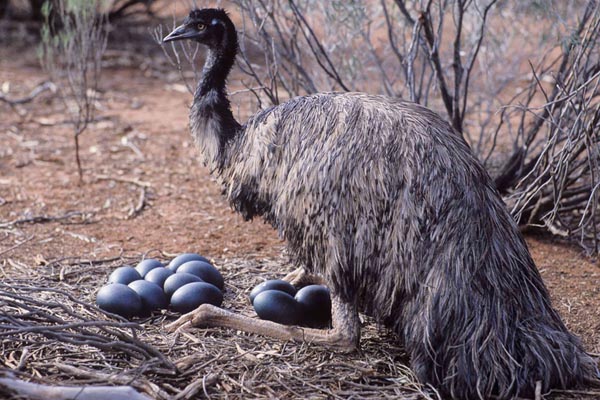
299, 277
343, 337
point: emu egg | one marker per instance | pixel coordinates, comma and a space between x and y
277, 306
190, 296
176, 281
315, 302
274, 284
152, 295
204, 271
120, 299
125, 275
183, 258
147, 265
158, 276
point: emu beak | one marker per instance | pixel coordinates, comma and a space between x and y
179, 33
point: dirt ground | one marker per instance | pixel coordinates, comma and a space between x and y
144, 193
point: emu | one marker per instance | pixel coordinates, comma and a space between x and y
383, 201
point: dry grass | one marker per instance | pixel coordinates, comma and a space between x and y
52, 333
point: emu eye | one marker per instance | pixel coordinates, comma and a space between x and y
201, 27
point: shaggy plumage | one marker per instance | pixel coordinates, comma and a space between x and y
384, 200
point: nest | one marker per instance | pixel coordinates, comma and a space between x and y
54, 335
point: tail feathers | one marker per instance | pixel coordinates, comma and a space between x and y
486, 364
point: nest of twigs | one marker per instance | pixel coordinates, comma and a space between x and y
53, 335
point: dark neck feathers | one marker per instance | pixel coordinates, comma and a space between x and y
219, 61
212, 122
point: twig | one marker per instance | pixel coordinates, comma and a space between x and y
195, 386
141, 204
16, 245
40, 219
121, 379
38, 391
36, 91
133, 181
434, 56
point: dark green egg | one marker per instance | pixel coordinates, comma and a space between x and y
315, 301
204, 271
147, 265
273, 284
277, 306
152, 295
190, 296
120, 299
125, 275
183, 258
158, 276
176, 281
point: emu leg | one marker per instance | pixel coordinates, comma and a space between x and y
344, 336
299, 277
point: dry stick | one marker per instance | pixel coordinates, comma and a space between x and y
45, 218
36, 91
194, 387
16, 245
458, 67
561, 73
289, 53
391, 35
474, 54
129, 342
434, 58
123, 179
402, 7
139, 207
46, 392
248, 69
331, 71
79, 261
120, 379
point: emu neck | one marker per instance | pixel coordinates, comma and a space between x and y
212, 122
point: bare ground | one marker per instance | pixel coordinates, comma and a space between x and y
145, 194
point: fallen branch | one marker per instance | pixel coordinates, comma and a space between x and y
141, 204
140, 382
123, 179
59, 321
47, 392
194, 388
36, 91
38, 219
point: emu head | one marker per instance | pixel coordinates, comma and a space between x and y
210, 26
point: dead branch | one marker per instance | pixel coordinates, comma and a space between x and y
141, 204
35, 92
553, 174
138, 382
83, 218
24, 315
123, 179
46, 392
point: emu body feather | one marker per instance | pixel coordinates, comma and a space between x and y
386, 202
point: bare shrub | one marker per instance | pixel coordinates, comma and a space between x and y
457, 57
405, 49
552, 177
72, 57
114, 8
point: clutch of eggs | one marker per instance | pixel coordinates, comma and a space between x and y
278, 301
187, 282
